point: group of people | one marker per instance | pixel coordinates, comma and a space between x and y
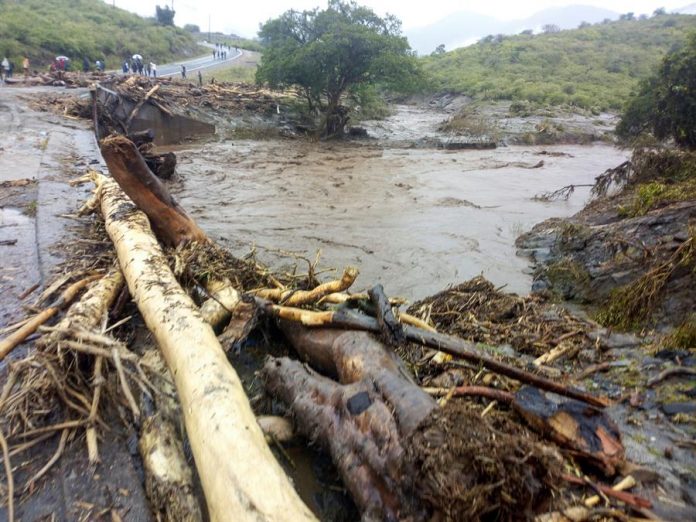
7, 68
221, 50
136, 66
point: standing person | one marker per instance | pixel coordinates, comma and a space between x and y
183, 71
25, 66
200, 79
85, 64
125, 67
149, 69
5, 71
214, 54
153, 66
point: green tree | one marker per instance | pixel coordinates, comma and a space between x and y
666, 102
192, 28
333, 52
165, 16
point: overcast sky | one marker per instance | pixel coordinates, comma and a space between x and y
243, 18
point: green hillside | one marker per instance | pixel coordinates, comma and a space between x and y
593, 67
76, 28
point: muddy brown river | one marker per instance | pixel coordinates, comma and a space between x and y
415, 220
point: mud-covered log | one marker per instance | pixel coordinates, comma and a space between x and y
240, 477
142, 137
168, 478
358, 430
127, 166
351, 357
585, 431
161, 165
391, 330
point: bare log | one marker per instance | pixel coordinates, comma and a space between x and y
140, 104
300, 297
169, 221
88, 312
240, 477
11, 341
217, 310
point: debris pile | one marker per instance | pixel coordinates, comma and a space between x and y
146, 318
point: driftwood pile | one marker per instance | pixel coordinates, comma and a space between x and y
177, 96
400, 453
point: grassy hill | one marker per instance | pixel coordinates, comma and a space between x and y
595, 67
43, 29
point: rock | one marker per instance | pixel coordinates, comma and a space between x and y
673, 408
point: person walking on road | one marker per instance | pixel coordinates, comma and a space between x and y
153, 66
5, 72
183, 71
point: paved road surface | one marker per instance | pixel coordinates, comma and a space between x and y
202, 62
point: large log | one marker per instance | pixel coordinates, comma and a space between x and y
127, 166
240, 477
351, 357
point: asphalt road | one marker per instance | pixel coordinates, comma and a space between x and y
202, 62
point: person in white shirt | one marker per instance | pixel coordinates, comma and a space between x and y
5, 72
153, 68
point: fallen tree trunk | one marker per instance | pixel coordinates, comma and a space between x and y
445, 343
351, 357
169, 221
240, 477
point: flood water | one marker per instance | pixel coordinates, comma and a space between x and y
415, 220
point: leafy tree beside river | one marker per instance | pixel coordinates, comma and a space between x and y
333, 52
666, 102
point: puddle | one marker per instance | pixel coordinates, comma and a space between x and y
413, 220
19, 268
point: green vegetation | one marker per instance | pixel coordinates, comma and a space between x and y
42, 29
31, 208
631, 307
684, 336
237, 73
595, 67
666, 102
335, 52
660, 178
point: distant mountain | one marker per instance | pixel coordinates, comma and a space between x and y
687, 9
464, 27
460, 28
567, 17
